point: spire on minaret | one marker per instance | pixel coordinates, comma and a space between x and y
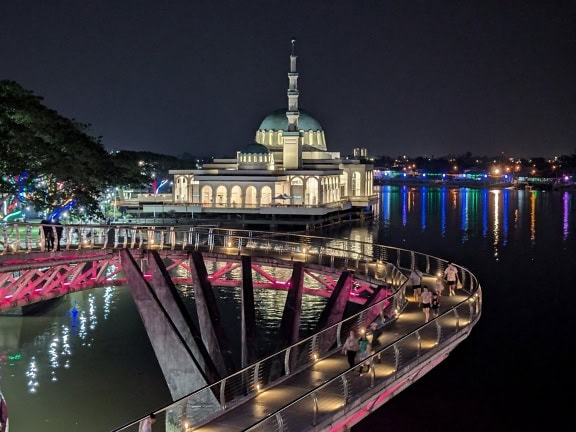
292, 114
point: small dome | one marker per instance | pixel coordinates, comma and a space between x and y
255, 148
277, 120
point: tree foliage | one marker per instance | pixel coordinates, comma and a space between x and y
54, 158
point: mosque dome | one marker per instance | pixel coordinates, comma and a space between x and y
255, 148
277, 120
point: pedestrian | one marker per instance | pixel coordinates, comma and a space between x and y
426, 303
416, 279
451, 275
48, 234
146, 424
435, 305
350, 348
59, 230
375, 333
439, 286
363, 353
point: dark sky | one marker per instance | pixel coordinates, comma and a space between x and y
403, 77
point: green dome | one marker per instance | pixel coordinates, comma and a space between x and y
277, 121
255, 148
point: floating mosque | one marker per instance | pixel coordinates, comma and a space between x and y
286, 178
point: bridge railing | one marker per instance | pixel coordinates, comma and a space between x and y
365, 258
395, 360
387, 367
194, 410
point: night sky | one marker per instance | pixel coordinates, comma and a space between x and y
404, 77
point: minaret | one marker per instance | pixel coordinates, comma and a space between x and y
293, 94
292, 157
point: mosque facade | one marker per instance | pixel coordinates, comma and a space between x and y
287, 169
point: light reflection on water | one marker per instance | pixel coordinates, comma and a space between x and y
90, 355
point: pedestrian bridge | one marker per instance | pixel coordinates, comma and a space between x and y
305, 385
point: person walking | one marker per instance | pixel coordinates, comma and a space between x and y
439, 286
48, 234
375, 333
146, 424
416, 279
363, 353
350, 348
451, 275
59, 230
426, 303
435, 305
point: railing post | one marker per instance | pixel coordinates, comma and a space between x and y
287, 361
28, 237
315, 401
438, 330
223, 394
5, 235
457, 319
396, 358
172, 238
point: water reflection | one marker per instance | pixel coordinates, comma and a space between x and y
491, 214
566, 199
496, 224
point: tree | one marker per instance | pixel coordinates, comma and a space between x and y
53, 157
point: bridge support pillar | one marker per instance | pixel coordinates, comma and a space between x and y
249, 354
290, 325
213, 333
182, 371
334, 311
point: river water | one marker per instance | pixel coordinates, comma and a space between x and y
87, 364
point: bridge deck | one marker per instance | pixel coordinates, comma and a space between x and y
300, 416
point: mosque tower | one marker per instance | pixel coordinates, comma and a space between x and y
292, 141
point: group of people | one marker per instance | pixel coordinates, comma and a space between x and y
361, 347
429, 300
52, 231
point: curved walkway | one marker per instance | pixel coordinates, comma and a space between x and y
299, 388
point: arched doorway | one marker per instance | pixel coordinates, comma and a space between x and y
297, 190
266, 193
221, 196
207, 199
311, 189
251, 197
236, 196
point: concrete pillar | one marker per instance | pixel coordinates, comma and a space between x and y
377, 296
290, 325
211, 327
334, 311
181, 370
249, 343
170, 299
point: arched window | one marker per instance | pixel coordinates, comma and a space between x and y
311, 191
